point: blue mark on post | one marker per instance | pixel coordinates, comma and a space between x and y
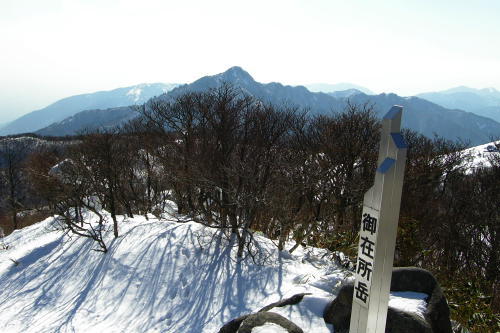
399, 141
386, 165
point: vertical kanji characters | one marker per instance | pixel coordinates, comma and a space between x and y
361, 291
364, 268
367, 247
369, 223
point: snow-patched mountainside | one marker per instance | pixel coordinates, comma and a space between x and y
72, 105
482, 154
158, 276
141, 93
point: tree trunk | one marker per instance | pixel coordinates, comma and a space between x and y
13, 205
241, 243
14, 218
112, 209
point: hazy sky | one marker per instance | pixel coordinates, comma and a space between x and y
50, 49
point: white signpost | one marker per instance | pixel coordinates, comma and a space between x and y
377, 237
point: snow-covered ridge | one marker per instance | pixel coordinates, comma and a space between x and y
158, 276
482, 154
142, 92
135, 92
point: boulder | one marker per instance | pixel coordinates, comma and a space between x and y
437, 315
234, 325
261, 318
338, 312
422, 281
403, 322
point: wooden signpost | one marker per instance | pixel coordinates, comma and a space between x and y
379, 223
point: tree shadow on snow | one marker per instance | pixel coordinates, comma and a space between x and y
163, 280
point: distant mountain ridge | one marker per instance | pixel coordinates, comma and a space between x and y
69, 106
345, 93
482, 92
431, 119
343, 86
419, 114
89, 119
484, 102
273, 92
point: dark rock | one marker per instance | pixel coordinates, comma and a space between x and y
421, 280
233, 325
260, 318
437, 315
338, 312
404, 322
397, 322
413, 279
287, 301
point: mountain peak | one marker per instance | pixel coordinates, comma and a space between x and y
236, 73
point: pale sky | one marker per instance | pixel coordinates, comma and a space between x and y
51, 49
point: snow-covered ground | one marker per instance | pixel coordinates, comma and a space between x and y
158, 276
481, 155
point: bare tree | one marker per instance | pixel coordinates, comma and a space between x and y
101, 161
14, 152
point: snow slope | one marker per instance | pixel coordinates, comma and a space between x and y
158, 276
480, 154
